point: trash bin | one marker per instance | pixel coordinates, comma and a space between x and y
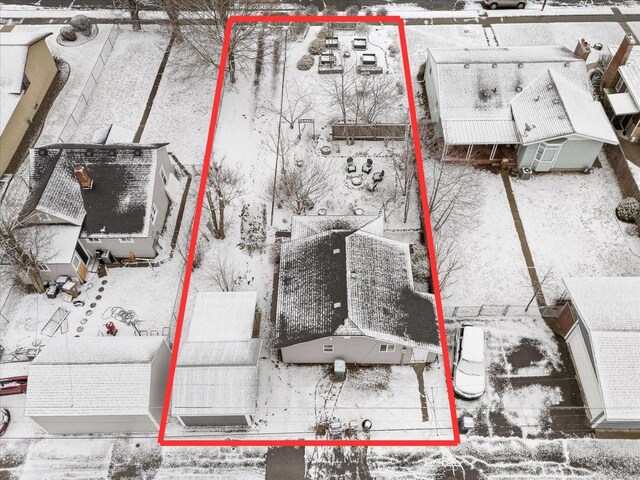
339, 368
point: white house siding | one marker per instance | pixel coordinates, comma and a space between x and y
142, 247
96, 424
159, 372
585, 373
576, 154
432, 97
354, 349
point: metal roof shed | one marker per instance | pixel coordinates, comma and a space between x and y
98, 385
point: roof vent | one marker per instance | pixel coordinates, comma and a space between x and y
567, 64
537, 98
521, 65
556, 101
137, 152
518, 88
494, 65
336, 251
549, 86
337, 305
82, 176
528, 128
484, 93
43, 152
466, 65
112, 153
89, 153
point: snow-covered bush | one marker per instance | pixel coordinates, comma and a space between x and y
324, 32
330, 11
316, 47
306, 62
628, 209
382, 12
253, 229
420, 263
68, 33
82, 24
393, 50
311, 10
368, 12
352, 11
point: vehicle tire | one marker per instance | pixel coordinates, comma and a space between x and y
520, 6
493, 6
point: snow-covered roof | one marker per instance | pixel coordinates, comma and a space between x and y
118, 204
14, 49
113, 134
606, 303
92, 376
198, 354
351, 280
630, 72
222, 317
479, 86
622, 103
307, 225
56, 244
551, 107
609, 307
214, 391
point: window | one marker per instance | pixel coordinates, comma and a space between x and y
75, 261
620, 85
327, 348
387, 347
93, 240
547, 153
43, 268
163, 176
125, 240
25, 83
154, 214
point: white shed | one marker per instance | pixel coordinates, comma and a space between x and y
98, 385
216, 379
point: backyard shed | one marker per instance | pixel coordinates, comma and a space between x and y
216, 379
98, 385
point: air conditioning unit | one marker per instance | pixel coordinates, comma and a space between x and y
525, 173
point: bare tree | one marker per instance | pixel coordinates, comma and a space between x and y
224, 273
283, 151
22, 249
300, 188
375, 94
386, 196
340, 89
447, 262
296, 104
204, 28
224, 184
453, 190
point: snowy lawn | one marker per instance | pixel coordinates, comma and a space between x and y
571, 227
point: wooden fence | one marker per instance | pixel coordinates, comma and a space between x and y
626, 180
377, 131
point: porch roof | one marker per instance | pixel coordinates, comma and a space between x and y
480, 132
622, 103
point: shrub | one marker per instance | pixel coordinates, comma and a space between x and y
352, 11
368, 12
382, 12
330, 11
628, 209
68, 33
420, 263
393, 50
82, 24
324, 32
311, 10
316, 47
306, 62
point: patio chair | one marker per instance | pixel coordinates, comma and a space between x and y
351, 167
366, 168
378, 176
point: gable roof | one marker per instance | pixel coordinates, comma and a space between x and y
485, 95
222, 317
92, 376
351, 281
119, 204
551, 107
14, 50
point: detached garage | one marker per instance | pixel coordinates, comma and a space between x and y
216, 379
99, 385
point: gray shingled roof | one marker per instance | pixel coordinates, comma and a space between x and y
350, 281
119, 203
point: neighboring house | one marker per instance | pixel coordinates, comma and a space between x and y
346, 292
603, 342
94, 199
531, 106
621, 86
85, 385
27, 69
216, 379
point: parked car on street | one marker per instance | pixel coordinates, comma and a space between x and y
493, 4
5, 418
469, 362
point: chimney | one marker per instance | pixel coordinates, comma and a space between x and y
610, 75
583, 49
82, 175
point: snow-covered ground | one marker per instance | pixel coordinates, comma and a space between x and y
571, 227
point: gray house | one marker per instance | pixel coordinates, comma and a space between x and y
216, 378
528, 106
90, 385
90, 199
345, 292
603, 343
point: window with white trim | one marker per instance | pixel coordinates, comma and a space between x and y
327, 348
163, 177
387, 347
154, 214
547, 152
75, 261
93, 240
43, 268
125, 240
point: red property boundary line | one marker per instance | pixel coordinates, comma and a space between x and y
162, 440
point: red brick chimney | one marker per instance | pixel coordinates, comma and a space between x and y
583, 49
620, 58
82, 175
